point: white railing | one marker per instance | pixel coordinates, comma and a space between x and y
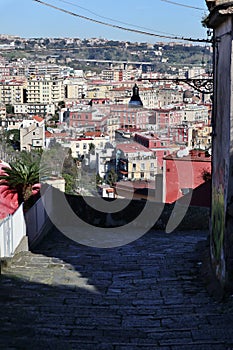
37, 217
19, 225
12, 231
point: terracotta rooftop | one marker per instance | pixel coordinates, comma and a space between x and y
132, 148
38, 119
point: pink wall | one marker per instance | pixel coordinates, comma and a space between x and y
181, 173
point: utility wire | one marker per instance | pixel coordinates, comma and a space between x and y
123, 28
111, 19
184, 5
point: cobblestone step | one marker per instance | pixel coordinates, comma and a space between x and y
145, 295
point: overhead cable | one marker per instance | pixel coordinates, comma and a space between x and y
123, 28
111, 19
184, 5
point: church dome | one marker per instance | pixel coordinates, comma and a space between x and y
135, 100
187, 94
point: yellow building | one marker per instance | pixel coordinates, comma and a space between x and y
135, 162
98, 89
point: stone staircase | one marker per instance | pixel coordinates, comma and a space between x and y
145, 295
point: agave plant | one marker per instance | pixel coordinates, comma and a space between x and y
20, 178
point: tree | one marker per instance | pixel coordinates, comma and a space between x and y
61, 104
13, 138
70, 183
9, 109
98, 179
91, 148
111, 177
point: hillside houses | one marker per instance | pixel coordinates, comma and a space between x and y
97, 117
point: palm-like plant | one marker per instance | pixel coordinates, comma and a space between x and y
20, 178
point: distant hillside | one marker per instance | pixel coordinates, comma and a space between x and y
163, 56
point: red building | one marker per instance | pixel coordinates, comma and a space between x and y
167, 116
180, 134
182, 173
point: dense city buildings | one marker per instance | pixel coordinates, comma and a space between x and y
119, 119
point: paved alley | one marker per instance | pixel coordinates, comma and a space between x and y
145, 295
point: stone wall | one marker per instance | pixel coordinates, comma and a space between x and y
196, 218
221, 223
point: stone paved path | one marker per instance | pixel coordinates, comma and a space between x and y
146, 295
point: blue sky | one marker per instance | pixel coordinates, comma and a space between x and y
28, 18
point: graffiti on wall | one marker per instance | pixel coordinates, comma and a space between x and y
217, 232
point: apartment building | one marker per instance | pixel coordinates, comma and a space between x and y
159, 146
196, 113
135, 162
4, 70
32, 134
81, 146
115, 74
122, 94
2, 111
166, 117
86, 116
45, 90
181, 134
40, 69
98, 89
75, 89
104, 157
34, 109
149, 97
202, 136
12, 92
168, 96
130, 116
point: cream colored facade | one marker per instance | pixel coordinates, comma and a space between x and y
98, 90
195, 113
2, 111
75, 88
115, 74
203, 137
149, 97
11, 92
140, 168
81, 146
169, 96
120, 94
45, 90
32, 137
40, 109
112, 123
136, 163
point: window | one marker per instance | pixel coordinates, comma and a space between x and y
134, 167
